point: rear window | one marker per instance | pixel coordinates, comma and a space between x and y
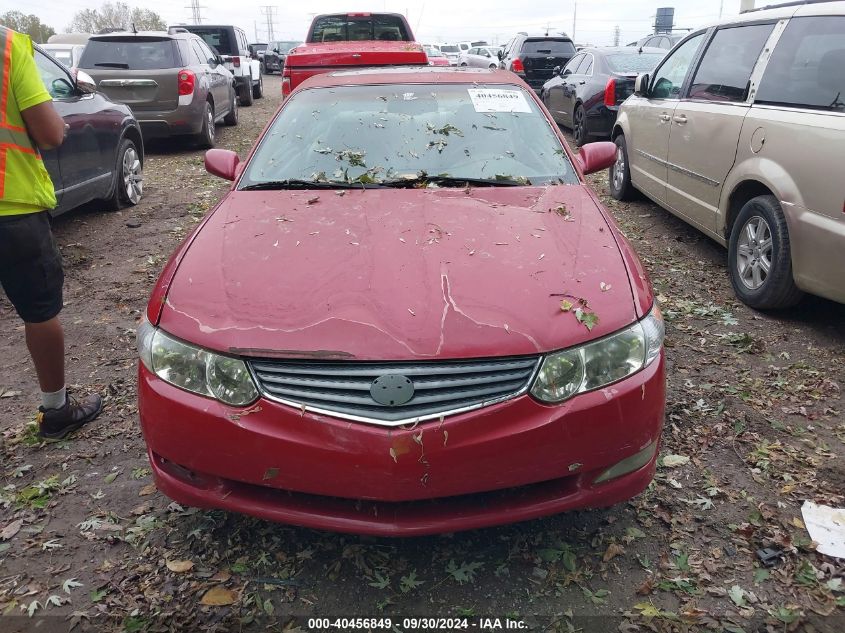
548, 47
219, 39
130, 54
449, 49
64, 55
284, 47
806, 68
637, 63
344, 28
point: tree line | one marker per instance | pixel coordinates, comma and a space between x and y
110, 16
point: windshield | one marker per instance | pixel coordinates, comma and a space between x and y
628, 63
373, 134
131, 53
548, 47
284, 47
433, 52
347, 28
218, 39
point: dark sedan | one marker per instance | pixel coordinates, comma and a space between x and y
585, 95
103, 154
274, 56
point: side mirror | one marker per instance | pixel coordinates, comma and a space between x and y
84, 83
594, 157
224, 163
566, 72
556, 71
60, 88
641, 85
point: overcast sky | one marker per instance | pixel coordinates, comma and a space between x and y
431, 20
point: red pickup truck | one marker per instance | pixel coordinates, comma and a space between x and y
337, 40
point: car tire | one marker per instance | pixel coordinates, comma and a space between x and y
579, 126
463, 63
258, 89
232, 117
619, 174
492, 67
245, 95
760, 257
128, 186
206, 137
262, 68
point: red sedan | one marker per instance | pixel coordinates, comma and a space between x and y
409, 315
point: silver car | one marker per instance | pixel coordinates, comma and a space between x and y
174, 83
481, 57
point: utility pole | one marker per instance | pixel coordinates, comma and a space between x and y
269, 12
574, 19
721, 7
617, 32
746, 5
196, 11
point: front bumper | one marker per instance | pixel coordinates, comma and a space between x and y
509, 462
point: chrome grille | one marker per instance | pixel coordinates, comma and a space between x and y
342, 388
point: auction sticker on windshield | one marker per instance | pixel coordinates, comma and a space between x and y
497, 100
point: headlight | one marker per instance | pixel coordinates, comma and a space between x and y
195, 369
594, 365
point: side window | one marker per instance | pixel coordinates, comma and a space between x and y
201, 56
807, 67
242, 44
586, 67
728, 62
55, 79
473, 51
206, 53
670, 76
573, 64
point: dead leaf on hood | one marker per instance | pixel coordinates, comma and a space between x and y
219, 596
179, 566
10, 530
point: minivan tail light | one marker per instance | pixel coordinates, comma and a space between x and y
610, 92
516, 66
236, 61
187, 81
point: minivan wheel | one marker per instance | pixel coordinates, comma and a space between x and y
760, 256
205, 139
619, 175
258, 89
128, 177
232, 117
579, 126
245, 95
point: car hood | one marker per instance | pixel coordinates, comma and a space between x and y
399, 274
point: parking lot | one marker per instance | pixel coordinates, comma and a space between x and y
754, 428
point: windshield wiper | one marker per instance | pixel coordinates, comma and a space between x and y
294, 183
112, 64
456, 181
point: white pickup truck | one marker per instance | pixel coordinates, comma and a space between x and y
232, 44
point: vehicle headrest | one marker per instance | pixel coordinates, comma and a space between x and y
831, 71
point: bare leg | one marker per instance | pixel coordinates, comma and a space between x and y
46, 343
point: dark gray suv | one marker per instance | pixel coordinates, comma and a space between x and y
173, 82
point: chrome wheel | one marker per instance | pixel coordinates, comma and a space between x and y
133, 176
209, 122
578, 126
754, 252
619, 169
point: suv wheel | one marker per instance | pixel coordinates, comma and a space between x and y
258, 89
760, 256
579, 126
262, 68
232, 117
245, 94
619, 175
128, 177
205, 139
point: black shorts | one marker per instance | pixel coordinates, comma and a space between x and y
31, 266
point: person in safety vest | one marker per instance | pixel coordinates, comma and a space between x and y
30, 264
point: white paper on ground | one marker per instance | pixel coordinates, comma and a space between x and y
826, 526
498, 100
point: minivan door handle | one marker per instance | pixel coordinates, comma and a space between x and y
665, 117
680, 119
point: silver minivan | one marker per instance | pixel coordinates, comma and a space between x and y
740, 131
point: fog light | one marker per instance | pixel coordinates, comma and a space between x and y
629, 464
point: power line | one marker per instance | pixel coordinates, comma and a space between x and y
196, 11
269, 13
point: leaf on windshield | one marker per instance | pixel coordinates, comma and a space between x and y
354, 157
445, 130
323, 150
440, 144
494, 128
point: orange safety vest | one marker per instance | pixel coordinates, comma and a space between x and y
22, 173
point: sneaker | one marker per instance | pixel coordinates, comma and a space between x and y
56, 424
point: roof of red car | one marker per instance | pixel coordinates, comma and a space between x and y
411, 75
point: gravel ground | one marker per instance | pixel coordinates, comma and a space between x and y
754, 427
